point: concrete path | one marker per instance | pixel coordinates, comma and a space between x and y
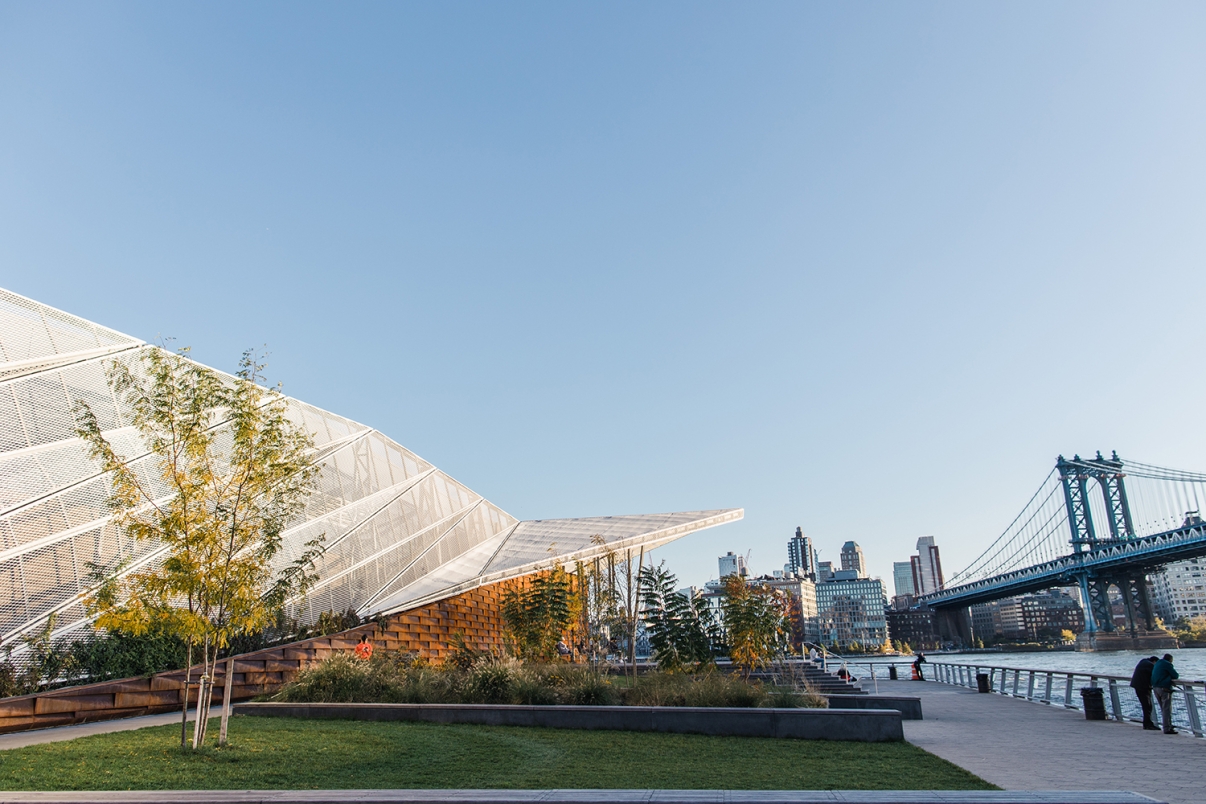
1019, 745
21, 739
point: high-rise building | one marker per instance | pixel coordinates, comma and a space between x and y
927, 567
852, 559
802, 556
852, 610
902, 578
915, 627
733, 564
1179, 592
824, 571
802, 594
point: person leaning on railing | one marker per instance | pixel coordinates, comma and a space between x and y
1141, 682
1163, 676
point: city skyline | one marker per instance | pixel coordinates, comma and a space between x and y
788, 554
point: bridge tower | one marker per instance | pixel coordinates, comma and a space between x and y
1077, 476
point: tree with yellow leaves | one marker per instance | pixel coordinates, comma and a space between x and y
756, 622
227, 469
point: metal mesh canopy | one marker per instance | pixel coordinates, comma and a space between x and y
399, 532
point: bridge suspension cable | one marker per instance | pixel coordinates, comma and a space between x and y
1159, 499
1036, 533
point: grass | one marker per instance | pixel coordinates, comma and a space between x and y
268, 753
393, 677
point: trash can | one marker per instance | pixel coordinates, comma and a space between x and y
982, 682
1094, 700
892, 672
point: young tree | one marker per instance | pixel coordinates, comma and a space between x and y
681, 630
632, 604
600, 605
755, 621
228, 470
619, 602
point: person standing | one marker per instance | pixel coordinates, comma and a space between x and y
1141, 683
1163, 676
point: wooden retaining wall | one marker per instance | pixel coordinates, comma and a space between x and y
426, 630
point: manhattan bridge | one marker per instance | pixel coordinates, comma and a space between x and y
1094, 524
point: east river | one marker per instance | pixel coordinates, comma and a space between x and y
1190, 662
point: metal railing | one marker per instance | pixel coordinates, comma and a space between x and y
1059, 688
1052, 688
832, 659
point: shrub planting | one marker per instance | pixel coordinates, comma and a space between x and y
401, 678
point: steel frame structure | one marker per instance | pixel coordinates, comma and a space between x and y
1122, 560
400, 533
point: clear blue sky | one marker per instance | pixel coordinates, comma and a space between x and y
865, 268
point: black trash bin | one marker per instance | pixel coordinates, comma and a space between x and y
982, 682
892, 672
1094, 700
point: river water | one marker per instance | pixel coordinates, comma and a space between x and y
1190, 662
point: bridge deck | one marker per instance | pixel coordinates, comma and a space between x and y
1020, 745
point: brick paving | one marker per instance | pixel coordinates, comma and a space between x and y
1019, 745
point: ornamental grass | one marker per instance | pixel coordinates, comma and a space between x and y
402, 678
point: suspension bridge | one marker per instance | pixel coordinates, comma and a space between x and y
1093, 523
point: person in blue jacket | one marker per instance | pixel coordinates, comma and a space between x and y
1163, 676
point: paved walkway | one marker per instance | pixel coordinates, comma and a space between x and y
1020, 745
21, 739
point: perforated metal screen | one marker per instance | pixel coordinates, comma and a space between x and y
399, 533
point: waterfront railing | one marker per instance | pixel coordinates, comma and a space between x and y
1054, 688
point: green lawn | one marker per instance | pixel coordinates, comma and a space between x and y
317, 754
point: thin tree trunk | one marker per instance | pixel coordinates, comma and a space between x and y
204, 692
211, 674
634, 597
188, 677
627, 615
198, 716
227, 691
596, 625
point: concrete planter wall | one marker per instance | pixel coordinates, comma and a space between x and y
868, 726
909, 708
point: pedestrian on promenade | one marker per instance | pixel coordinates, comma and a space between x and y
1141, 682
917, 663
1163, 676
